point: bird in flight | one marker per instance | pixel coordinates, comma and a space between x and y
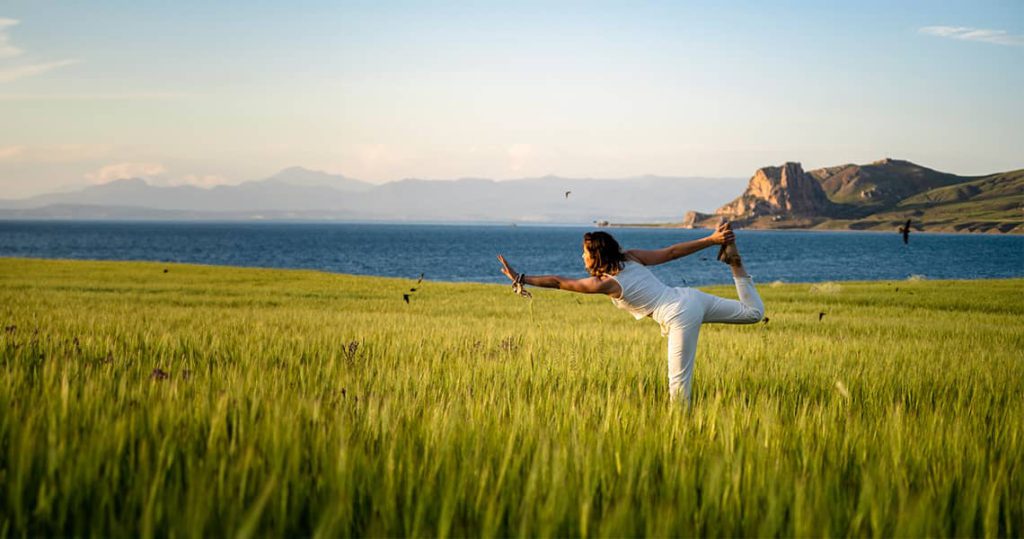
420, 280
905, 230
567, 194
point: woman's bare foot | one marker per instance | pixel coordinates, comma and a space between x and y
728, 254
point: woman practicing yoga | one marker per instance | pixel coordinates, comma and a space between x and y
680, 311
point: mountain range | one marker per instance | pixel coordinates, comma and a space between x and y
298, 193
882, 195
878, 196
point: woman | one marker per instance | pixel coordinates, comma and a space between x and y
680, 311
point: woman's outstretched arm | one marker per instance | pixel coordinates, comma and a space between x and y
652, 257
588, 285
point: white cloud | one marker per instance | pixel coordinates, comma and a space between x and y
11, 153
53, 153
371, 154
518, 156
6, 49
10, 72
998, 37
200, 180
120, 171
126, 96
154, 174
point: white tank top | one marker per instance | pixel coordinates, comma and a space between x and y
642, 293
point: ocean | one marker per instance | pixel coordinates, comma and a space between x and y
467, 252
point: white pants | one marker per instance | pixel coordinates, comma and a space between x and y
683, 327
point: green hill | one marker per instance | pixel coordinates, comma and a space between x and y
866, 189
994, 203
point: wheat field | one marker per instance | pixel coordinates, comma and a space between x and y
213, 401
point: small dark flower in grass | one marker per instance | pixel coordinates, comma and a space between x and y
165, 270
509, 344
159, 374
352, 350
405, 297
766, 320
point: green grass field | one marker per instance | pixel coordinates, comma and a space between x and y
305, 403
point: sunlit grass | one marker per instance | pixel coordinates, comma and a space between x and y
316, 404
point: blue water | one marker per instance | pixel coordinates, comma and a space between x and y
467, 253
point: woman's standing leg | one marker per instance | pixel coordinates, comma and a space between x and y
683, 331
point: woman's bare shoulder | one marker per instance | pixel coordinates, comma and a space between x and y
631, 257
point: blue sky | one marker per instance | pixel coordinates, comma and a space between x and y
204, 93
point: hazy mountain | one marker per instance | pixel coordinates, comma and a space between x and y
249, 196
881, 196
297, 193
304, 177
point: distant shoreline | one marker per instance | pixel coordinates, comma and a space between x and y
796, 229
497, 224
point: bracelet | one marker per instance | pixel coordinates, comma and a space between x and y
518, 286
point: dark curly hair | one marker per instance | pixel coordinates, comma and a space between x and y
606, 257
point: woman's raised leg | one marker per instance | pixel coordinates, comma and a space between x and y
748, 310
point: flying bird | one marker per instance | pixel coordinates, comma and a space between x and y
905, 230
420, 279
405, 297
567, 194
820, 316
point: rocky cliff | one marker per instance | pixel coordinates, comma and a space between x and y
779, 191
